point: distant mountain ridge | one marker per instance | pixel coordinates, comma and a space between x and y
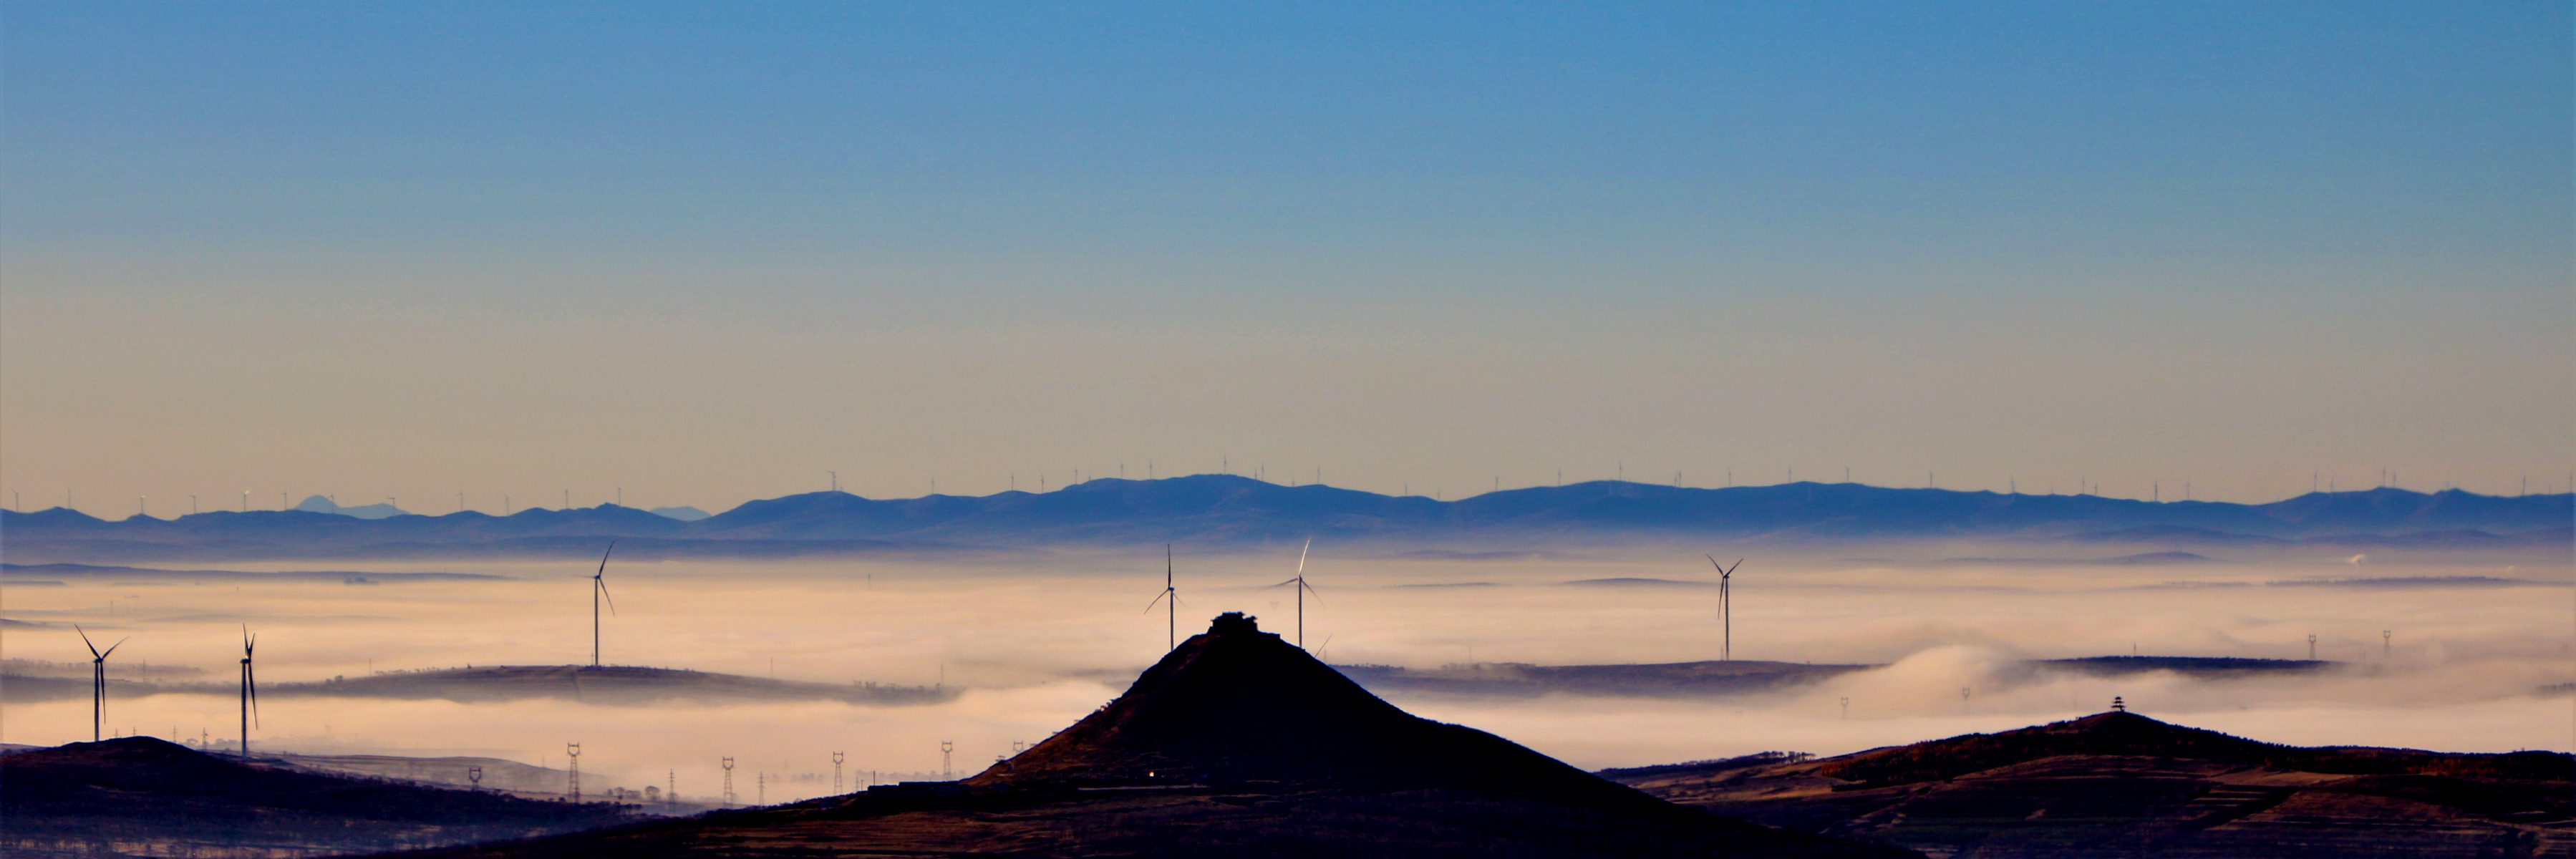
1227, 510
326, 504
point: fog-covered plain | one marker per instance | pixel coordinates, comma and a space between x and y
1032, 643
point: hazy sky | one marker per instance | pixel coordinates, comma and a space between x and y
706, 251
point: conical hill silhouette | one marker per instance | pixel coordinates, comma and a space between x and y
1238, 705
1241, 745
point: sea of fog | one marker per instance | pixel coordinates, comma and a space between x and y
1034, 642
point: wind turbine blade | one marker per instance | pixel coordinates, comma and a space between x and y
1310, 590
1738, 563
1301, 557
251, 679
1295, 581
84, 634
612, 601
603, 559
1158, 600
1712, 561
111, 649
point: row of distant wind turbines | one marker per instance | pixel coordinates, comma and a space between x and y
250, 643
1169, 598
98, 685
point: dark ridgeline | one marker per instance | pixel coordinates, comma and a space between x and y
2122, 784
1236, 744
144, 796
2124, 733
1224, 510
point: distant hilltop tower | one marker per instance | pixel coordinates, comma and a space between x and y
2118, 706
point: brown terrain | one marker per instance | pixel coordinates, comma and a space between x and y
2119, 784
1236, 744
140, 796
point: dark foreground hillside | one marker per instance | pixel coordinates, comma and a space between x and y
140, 796
1236, 744
2123, 785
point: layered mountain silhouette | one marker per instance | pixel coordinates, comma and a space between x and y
1226, 510
114, 797
2119, 784
1236, 744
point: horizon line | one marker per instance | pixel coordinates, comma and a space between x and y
605, 505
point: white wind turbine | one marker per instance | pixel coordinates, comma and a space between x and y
1302, 589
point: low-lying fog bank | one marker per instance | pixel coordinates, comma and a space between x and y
1016, 651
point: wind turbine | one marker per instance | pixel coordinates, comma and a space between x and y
250, 692
1171, 597
1726, 606
97, 681
598, 590
1302, 589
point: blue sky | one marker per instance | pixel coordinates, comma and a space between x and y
1544, 231
2320, 129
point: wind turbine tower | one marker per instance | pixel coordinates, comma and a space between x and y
1171, 598
97, 681
598, 591
1725, 607
1302, 589
249, 691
